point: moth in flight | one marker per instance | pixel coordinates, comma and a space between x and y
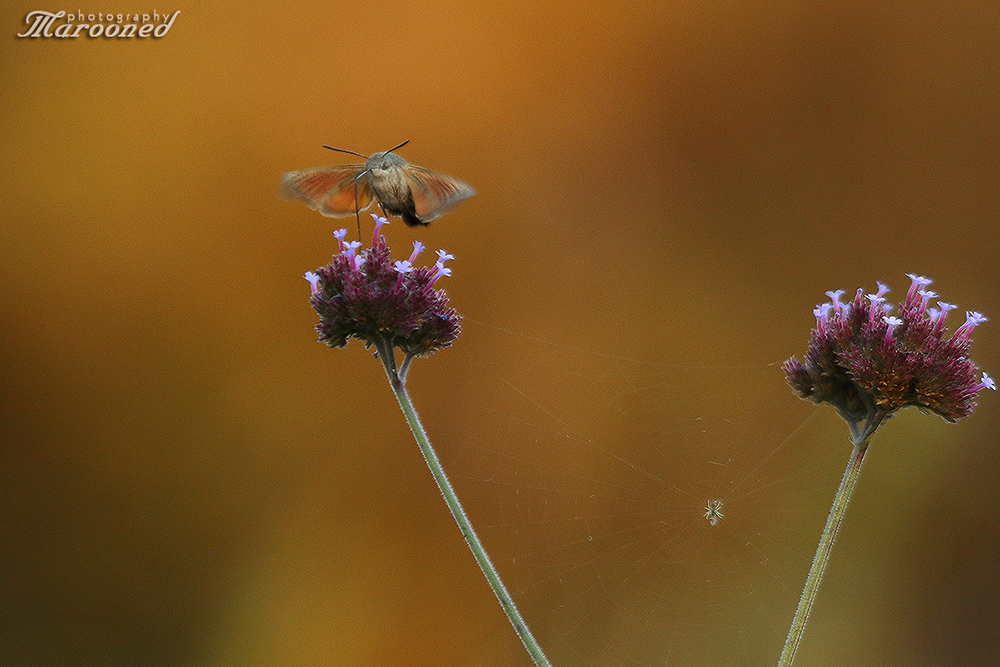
418, 195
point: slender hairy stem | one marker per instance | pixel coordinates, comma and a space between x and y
822, 556
506, 601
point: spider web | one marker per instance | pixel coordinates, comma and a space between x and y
589, 476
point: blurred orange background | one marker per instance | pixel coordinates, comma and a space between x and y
189, 478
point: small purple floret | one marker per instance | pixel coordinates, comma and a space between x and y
313, 279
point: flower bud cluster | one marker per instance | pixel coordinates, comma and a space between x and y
366, 295
868, 361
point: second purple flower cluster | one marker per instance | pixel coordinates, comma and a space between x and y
868, 361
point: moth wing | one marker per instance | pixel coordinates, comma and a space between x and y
433, 193
334, 191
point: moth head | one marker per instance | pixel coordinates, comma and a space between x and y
384, 161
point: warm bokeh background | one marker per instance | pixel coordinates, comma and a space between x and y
188, 478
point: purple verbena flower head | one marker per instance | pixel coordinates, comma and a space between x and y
868, 364
364, 294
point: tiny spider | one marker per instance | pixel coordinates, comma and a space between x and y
713, 511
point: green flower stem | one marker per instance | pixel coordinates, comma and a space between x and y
385, 352
822, 556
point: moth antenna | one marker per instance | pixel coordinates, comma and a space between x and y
344, 150
399, 146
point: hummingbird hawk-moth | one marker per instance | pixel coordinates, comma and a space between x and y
418, 195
